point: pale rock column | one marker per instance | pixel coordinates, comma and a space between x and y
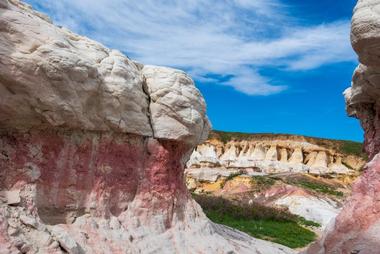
310, 158
321, 161
208, 154
283, 155
229, 155
271, 154
258, 153
297, 156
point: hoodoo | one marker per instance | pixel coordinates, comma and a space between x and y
273, 154
93, 147
357, 227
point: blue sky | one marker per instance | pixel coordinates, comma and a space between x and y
273, 66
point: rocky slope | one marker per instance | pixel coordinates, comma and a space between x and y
93, 146
357, 227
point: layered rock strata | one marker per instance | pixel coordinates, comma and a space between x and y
272, 156
357, 227
93, 147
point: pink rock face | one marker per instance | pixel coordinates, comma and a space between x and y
370, 122
88, 192
94, 173
101, 175
357, 228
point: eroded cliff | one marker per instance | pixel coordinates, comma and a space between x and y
93, 147
268, 154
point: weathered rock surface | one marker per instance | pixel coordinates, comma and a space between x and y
93, 147
357, 227
320, 210
51, 77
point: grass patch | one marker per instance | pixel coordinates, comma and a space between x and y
225, 137
315, 186
267, 223
308, 223
287, 233
354, 148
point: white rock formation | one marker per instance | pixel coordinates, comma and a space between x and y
176, 106
272, 156
297, 156
311, 208
53, 77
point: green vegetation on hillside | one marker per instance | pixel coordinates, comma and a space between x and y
267, 223
313, 185
228, 136
354, 148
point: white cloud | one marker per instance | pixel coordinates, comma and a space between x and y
229, 38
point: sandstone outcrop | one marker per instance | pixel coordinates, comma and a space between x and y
93, 147
357, 227
272, 155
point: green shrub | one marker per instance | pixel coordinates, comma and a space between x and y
233, 175
287, 233
309, 223
243, 211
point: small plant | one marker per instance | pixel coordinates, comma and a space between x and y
308, 223
233, 175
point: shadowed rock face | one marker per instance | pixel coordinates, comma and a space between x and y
93, 147
357, 227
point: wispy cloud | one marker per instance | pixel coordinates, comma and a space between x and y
232, 40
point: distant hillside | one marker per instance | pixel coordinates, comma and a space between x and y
343, 146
